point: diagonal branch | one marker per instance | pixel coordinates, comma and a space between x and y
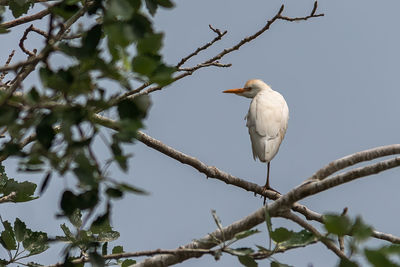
22, 20
213, 172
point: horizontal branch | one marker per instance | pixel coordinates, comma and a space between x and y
116, 256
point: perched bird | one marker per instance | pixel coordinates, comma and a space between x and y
267, 120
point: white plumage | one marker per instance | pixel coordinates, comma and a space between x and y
267, 120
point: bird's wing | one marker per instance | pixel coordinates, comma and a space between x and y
268, 115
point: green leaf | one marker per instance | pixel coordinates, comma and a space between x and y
281, 234
240, 251
108, 236
278, 264
76, 218
45, 132
24, 190
246, 233
121, 159
337, 224
7, 237
163, 75
128, 262
91, 40
135, 109
145, 65
8, 115
120, 9
151, 6
20, 230
347, 263
35, 242
378, 258
65, 10
101, 224
86, 200
67, 232
114, 193
150, 44
33, 96
268, 220
96, 259
165, 3
117, 250
247, 261
86, 171
19, 7
298, 239
361, 231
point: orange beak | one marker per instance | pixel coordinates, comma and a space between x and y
236, 91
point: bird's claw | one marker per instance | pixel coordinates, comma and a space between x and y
268, 188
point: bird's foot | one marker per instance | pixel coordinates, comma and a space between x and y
268, 188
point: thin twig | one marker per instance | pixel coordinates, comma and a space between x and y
202, 65
204, 47
4, 73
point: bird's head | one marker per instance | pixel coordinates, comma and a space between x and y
250, 89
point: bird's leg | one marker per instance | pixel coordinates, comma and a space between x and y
266, 186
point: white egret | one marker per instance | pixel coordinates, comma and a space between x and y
267, 120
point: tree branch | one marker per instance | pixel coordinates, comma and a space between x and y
328, 243
8, 198
26, 19
213, 172
139, 91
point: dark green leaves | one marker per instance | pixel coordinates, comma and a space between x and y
337, 224
343, 225
128, 262
150, 44
33, 242
152, 5
247, 261
19, 7
298, 239
45, 132
24, 190
7, 237
281, 234
71, 81
70, 202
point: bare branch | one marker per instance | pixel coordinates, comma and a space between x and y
202, 65
312, 15
139, 91
204, 47
7, 63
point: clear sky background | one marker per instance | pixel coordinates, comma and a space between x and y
340, 77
